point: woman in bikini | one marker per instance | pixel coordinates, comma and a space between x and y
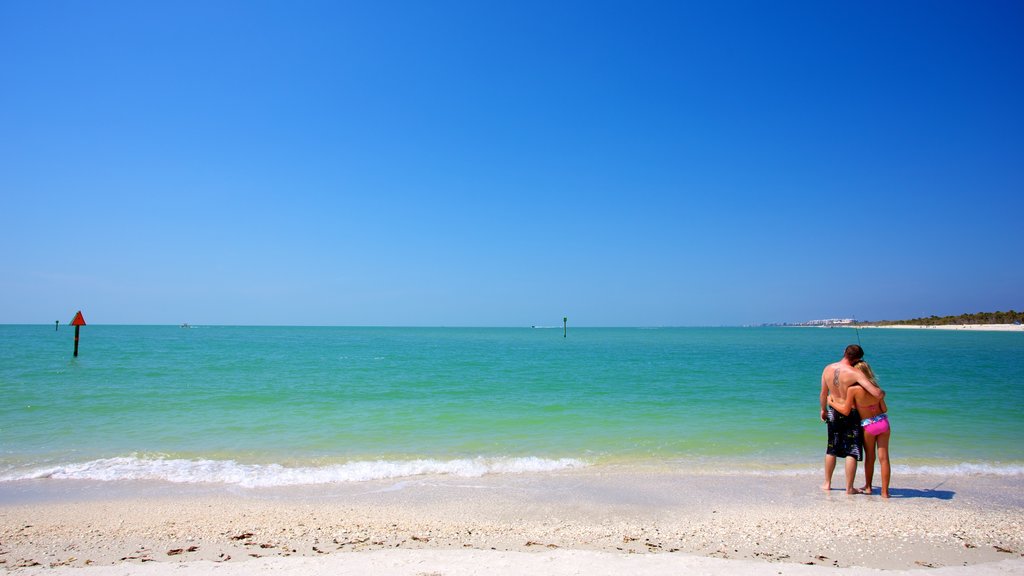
875, 422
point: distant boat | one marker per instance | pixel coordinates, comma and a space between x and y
186, 325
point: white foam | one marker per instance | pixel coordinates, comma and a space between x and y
268, 475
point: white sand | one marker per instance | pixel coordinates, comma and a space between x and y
595, 521
978, 327
491, 563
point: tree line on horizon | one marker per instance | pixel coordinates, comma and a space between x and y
998, 317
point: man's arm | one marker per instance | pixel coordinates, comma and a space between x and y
844, 407
823, 397
869, 386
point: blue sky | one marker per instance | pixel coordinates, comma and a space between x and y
476, 163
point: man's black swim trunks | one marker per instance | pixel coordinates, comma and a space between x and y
845, 435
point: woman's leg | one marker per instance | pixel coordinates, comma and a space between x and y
869, 461
883, 461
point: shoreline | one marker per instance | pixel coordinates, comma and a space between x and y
593, 517
325, 474
967, 327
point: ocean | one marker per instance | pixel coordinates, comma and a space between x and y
278, 406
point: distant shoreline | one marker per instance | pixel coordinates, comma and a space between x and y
972, 327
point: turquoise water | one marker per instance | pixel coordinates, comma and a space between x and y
306, 405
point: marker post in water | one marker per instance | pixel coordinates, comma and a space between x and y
77, 322
565, 326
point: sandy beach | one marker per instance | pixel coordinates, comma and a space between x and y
594, 521
969, 327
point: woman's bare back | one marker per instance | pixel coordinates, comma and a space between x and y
867, 405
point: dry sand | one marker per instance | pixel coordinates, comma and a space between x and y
978, 327
595, 521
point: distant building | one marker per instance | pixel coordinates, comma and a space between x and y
826, 322
829, 322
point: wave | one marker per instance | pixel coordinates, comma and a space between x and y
230, 472
269, 475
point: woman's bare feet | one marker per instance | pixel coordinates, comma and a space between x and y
866, 490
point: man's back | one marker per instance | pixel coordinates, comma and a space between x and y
837, 387
848, 376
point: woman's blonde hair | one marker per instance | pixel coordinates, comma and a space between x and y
866, 369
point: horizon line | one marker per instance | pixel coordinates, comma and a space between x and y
531, 326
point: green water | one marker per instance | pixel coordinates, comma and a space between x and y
312, 398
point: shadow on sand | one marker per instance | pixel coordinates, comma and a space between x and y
915, 493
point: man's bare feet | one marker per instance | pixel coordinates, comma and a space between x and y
866, 490
852, 490
826, 486
885, 493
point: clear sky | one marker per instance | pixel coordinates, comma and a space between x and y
477, 163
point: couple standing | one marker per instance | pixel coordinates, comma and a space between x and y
854, 408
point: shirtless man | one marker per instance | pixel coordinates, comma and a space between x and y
845, 439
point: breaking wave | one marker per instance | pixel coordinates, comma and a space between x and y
268, 475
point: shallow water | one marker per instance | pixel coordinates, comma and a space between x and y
265, 406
